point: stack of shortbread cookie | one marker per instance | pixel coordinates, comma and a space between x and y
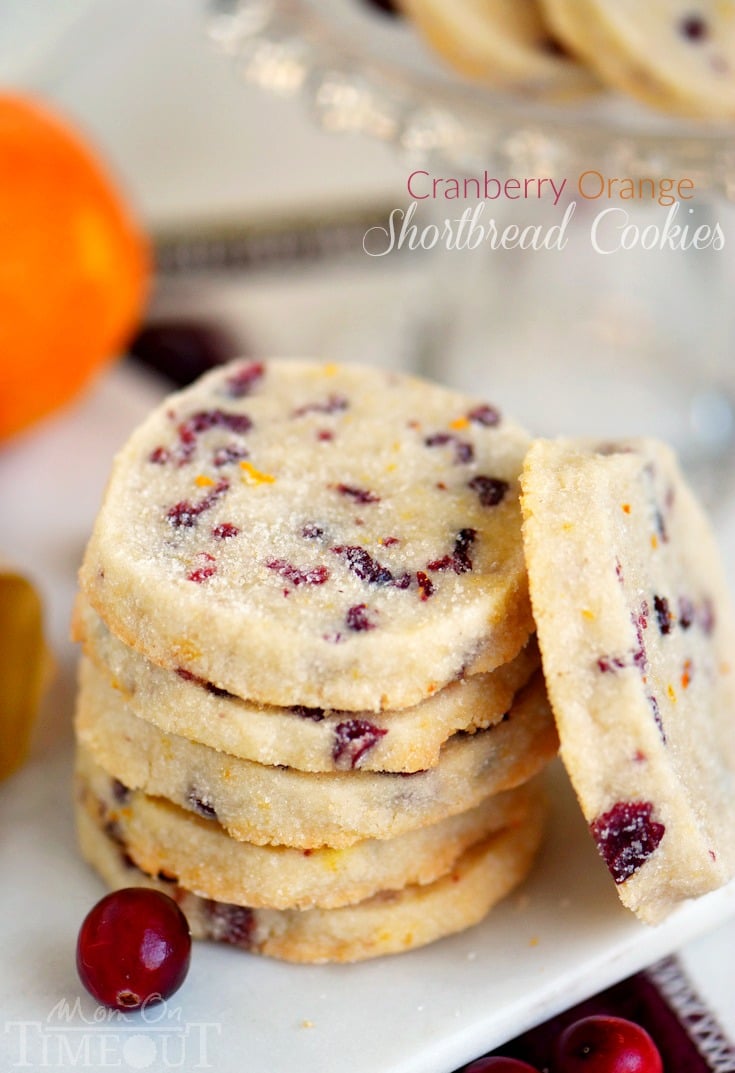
310, 704
677, 58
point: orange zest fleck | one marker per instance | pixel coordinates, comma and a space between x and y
202, 481
251, 475
654, 541
672, 693
626, 508
686, 676
459, 423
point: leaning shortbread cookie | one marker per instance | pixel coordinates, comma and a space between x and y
261, 804
676, 57
387, 923
637, 639
162, 838
502, 43
318, 535
308, 739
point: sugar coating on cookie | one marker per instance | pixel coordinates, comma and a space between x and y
308, 739
678, 57
636, 632
262, 804
322, 535
502, 43
388, 923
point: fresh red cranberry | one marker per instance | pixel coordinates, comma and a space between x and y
134, 947
602, 1044
499, 1065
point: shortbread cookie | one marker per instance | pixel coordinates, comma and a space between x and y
262, 804
328, 536
309, 739
387, 923
678, 57
502, 43
160, 837
637, 640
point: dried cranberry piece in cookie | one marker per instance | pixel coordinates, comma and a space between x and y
490, 490
360, 495
362, 564
185, 513
232, 924
663, 614
357, 619
426, 585
352, 739
485, 415
333, 404
459, 561
316, 575
202, 804
626, 836
244, 379
463, 451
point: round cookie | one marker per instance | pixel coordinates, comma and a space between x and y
678, 57
260, 804
502, 43
637, 639
387, 923
309, 739
327, 536
162, 838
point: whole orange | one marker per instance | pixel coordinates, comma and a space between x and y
74, 266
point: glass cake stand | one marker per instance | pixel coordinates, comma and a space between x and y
571, 340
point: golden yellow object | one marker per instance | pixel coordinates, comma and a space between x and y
24, 665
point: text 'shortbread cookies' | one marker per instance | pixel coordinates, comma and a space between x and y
308, 739
677, 57
309, 534
261, 804
638, 645
387, 923
502, 43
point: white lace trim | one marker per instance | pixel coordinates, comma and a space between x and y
699, 1024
